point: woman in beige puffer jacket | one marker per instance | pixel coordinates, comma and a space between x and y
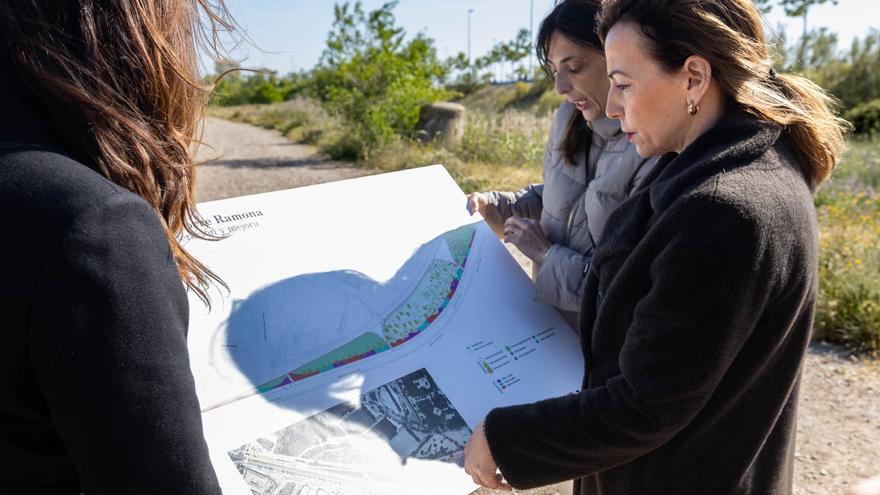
558, 223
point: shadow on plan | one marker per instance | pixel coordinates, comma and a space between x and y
298, 331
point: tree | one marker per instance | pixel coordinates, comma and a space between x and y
852, 76
509, 51
764, 5
796, 8
855, 78
516, 50
800, 8
375, 79
241, 86
463, 76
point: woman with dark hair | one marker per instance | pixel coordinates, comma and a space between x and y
101, 103
699, 303
589, 168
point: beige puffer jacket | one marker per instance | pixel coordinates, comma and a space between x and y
572, 212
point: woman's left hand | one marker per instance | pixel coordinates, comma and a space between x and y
528, 236
479, 464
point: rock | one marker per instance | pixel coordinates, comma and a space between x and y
443, 122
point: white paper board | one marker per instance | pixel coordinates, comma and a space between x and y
369, 325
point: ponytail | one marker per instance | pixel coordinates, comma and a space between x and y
805, 110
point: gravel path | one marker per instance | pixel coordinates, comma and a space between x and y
247, 160
839, 419
838, 422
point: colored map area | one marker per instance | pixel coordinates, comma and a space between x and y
414, 315
429, 299
364, 346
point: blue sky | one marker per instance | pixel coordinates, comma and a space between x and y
290, 34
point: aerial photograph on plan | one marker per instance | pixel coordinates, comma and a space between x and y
357, 449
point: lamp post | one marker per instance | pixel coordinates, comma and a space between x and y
470, 13
531, 36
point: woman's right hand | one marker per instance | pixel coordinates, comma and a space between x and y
477, 203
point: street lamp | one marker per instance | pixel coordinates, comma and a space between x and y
470, 13
531, 36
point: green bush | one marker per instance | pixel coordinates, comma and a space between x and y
848, 308
538, 98
241, 87
301, 120
510, 138
373, 79
267, 92
853, 76
865, 117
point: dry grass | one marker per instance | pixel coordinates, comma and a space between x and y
499, 151
848, 310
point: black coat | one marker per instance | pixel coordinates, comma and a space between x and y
96, 393
695, 323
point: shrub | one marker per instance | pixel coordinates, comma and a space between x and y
301, 120
266, 92
374, 80
853, 76
538, 98
865, 117
241, 87
510, 138
548, 103
848, 309
471, 176
521, 89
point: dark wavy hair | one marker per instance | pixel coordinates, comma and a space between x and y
730, 35
121, 80
576, 20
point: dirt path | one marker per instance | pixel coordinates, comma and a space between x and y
838, 422
251, 160
839, 417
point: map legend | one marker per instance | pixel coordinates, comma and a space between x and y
505, 382
496, 358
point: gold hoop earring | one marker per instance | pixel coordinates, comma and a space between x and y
693, 109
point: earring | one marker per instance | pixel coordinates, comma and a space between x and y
693, 109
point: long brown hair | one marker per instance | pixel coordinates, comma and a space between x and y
120, 79
730, 35
576, 20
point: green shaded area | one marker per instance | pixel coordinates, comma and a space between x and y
271, 384
361, 345
459, 242
429, 296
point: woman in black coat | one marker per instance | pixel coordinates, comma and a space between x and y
100, 104
699, 304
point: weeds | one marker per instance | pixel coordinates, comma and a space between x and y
848, 310
512, 138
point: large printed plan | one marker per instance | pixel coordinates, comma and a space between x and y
369, 325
